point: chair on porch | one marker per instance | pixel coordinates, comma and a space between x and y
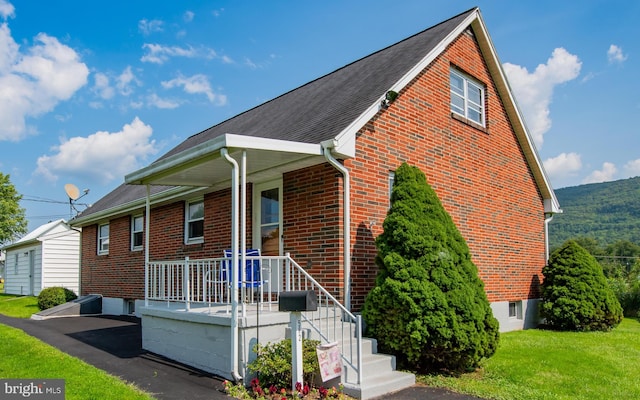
252, 274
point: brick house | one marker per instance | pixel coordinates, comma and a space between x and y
308, 174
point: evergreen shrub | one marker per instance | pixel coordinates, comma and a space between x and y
575, 293
54, 296
428, 306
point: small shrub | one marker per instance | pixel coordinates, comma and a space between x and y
273, 362
575, 293
54, 296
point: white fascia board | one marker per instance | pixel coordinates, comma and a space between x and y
551, 204
259, 143
211, 149
346, 139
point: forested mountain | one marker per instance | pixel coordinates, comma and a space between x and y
606, 212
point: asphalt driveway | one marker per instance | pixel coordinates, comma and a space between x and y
114, 344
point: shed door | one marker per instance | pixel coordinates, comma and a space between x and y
267, 209
32, 270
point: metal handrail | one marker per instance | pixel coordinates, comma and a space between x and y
200, 281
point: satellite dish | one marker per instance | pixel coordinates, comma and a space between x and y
72, 191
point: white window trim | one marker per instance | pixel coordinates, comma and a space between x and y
133, 232
465, 97
518, 309
15, 264
187, 239
101, 240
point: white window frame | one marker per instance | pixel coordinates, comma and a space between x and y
187, 221
103, 241
515, 310
15, 264
134, 231
392, 179
469, 106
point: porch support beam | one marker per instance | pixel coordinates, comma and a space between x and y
234, 262
147, 218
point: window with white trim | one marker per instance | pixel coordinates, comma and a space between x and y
15, 263
515, 309
467, 97
103, 239
137, 230
392, 178
194, 222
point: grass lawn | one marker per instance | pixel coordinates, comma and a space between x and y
25, 357
539, 364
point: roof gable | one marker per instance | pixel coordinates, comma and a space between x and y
47, 229
335, 106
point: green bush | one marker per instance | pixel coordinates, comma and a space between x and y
575, 293
53, 296
428, 306
273, 362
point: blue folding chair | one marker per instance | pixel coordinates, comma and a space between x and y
252, 272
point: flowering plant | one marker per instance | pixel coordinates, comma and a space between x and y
304, 392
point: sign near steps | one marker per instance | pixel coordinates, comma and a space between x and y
329, 361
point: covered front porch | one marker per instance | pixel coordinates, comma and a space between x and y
190, 316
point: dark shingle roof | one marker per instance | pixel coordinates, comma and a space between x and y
316, 111
321, 109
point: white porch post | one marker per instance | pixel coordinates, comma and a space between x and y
243, 223
234, 262
147, 217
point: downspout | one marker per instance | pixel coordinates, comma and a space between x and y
326, 148
234, 262
147, 218
547, 220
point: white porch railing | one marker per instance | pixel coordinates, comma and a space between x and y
206, 282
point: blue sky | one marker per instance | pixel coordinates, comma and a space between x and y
92, 91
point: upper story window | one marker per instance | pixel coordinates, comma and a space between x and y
137, 229
467, 97
103, 239
194, 222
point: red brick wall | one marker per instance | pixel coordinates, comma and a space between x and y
481, 178
312, 223
121, 272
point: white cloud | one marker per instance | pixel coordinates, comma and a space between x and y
102, 87
6, 9
34, 82
159, 54
148, 27
102, 156
563, 165
188, 16
632, 168
155, 101
607, 173
534, 91
125, 80
196, 84
615, 55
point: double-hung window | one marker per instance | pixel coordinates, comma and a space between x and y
194, 222
103, 239
137, 229
467, 97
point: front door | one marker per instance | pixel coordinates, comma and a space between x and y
267, 211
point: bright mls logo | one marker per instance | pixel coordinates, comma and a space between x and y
50, 389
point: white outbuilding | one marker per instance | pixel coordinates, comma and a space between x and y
47, 256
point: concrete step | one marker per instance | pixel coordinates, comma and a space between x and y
379, 385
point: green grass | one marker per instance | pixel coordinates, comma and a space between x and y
25, 357
18, 306
539, 364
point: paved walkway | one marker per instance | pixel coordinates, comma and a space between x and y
114, 344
